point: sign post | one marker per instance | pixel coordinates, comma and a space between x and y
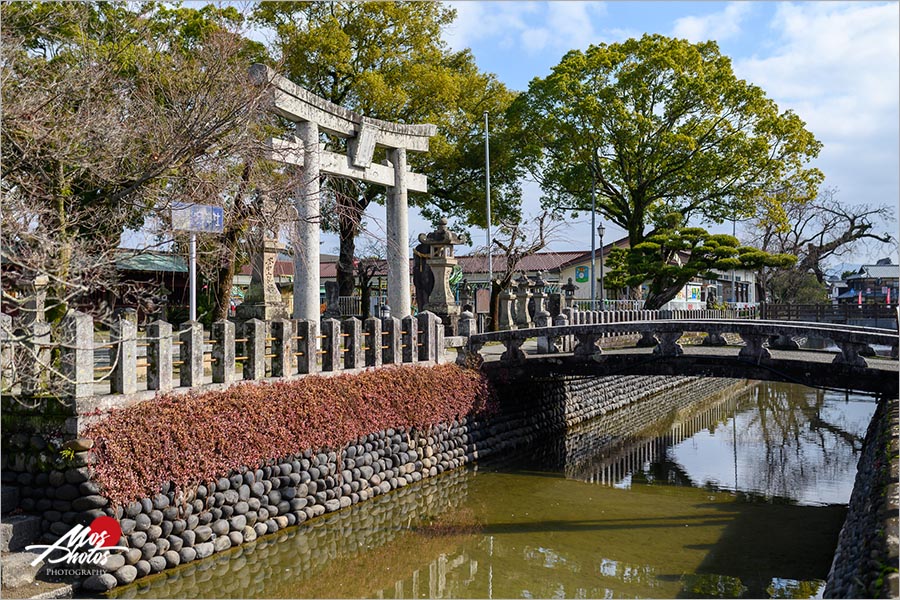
195, 218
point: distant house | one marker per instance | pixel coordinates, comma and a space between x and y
558, 267
549, 264
872, 284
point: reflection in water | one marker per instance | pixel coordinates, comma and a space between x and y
738, 496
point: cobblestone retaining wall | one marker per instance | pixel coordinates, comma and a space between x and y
866, 561
176, 527
256, 569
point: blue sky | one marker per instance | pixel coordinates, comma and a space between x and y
837, 64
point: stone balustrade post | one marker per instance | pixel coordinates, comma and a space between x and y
428, 324
77, 354
783, 342
351, 330
333, 357
439, 336
410, 337
668, 344
123, 354
372, 333
191, 338
392, 341
468, 326
753, 348
587, 344
159, 356
648, 340
513, 354
307, 359
545, 343
223, 353
714, 338
254, 349
851, 354
282, 331
562, 342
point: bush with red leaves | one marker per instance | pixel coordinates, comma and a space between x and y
189, 439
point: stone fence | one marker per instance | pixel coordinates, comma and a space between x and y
523, 306
663, 335
67, 361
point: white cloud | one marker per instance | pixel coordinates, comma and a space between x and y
716, 26
532, 27
838, 67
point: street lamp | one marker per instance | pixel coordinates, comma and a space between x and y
600, 231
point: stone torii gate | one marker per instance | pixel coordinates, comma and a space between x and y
313, 115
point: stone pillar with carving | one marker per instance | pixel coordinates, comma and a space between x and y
263, 300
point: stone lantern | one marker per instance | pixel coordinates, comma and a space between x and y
569, 291
538, 286
441, 302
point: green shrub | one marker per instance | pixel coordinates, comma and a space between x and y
188, 439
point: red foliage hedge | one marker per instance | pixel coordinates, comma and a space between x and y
189, 439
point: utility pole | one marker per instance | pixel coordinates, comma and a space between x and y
487, 187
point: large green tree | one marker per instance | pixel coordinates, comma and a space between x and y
674, 255
387, 60
659, 125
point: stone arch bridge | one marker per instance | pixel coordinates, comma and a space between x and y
575, 350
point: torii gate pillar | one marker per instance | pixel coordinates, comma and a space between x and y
398, 238
307, 281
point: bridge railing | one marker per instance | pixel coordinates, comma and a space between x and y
663, 336
71, 360
830, 313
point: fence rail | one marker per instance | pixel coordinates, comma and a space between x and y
351, 306
65, 360
827, 313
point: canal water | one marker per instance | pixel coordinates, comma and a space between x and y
742, 495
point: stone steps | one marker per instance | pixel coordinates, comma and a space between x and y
16, 569
22, 580
18, 531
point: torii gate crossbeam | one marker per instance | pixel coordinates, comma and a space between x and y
313, 115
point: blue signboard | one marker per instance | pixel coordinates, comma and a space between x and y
581, 274
200, 218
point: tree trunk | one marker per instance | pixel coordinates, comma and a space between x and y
350, 209
225, 276
230, 240
365, 297
496, 290
346, 278
655, 300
